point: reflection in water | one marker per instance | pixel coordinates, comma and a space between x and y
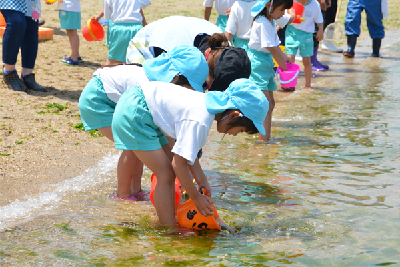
324, 193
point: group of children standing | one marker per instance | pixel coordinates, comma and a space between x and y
125, 18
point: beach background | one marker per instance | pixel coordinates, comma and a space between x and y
41, 138
44, 153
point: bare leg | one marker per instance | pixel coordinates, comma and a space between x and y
127, 161
307, 70
74, 41
164, 200
125, 170
136, 178
268, 120
8, 67
107, 132
113, 62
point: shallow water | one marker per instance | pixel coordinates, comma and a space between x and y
324, 193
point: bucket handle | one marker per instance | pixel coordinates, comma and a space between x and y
90, 29
285, 82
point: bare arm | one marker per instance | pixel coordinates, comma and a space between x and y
279, 57
207, 13
292, 16
203, 203
229, 36
320, 32
99, 15
144, 22
199, 176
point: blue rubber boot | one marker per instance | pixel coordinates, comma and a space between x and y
376, 46
351, 44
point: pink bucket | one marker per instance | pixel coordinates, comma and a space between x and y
288, 78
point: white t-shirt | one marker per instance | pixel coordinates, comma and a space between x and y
312, 14
263, 35
167, 33
220, 5
240, 19
69, 5
116, 80
124, 11
180, 113
283, 21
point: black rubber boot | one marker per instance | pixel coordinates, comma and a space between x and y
30, 83
14, 82
351, 44
376, 46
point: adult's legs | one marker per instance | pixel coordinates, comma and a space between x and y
13, 35
375, 25
352, 25
29, 48
12, 39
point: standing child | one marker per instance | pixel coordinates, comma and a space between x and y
239, 23
70, 20
300, 36
223, 8
150, 110
127, 19
263, 47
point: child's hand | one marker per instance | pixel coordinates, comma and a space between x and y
204, 204
289, 60
227, 12
207, 187
320, 35
97, 17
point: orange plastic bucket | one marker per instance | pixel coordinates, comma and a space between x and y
2, 21
45, 33
93, 31
299, 10
178, 194
190, 217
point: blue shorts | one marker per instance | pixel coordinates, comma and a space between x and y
242, 43
119, 36
262, 70
133, 126
222, 21
108, 32
70, 20
298, 39
95, 107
